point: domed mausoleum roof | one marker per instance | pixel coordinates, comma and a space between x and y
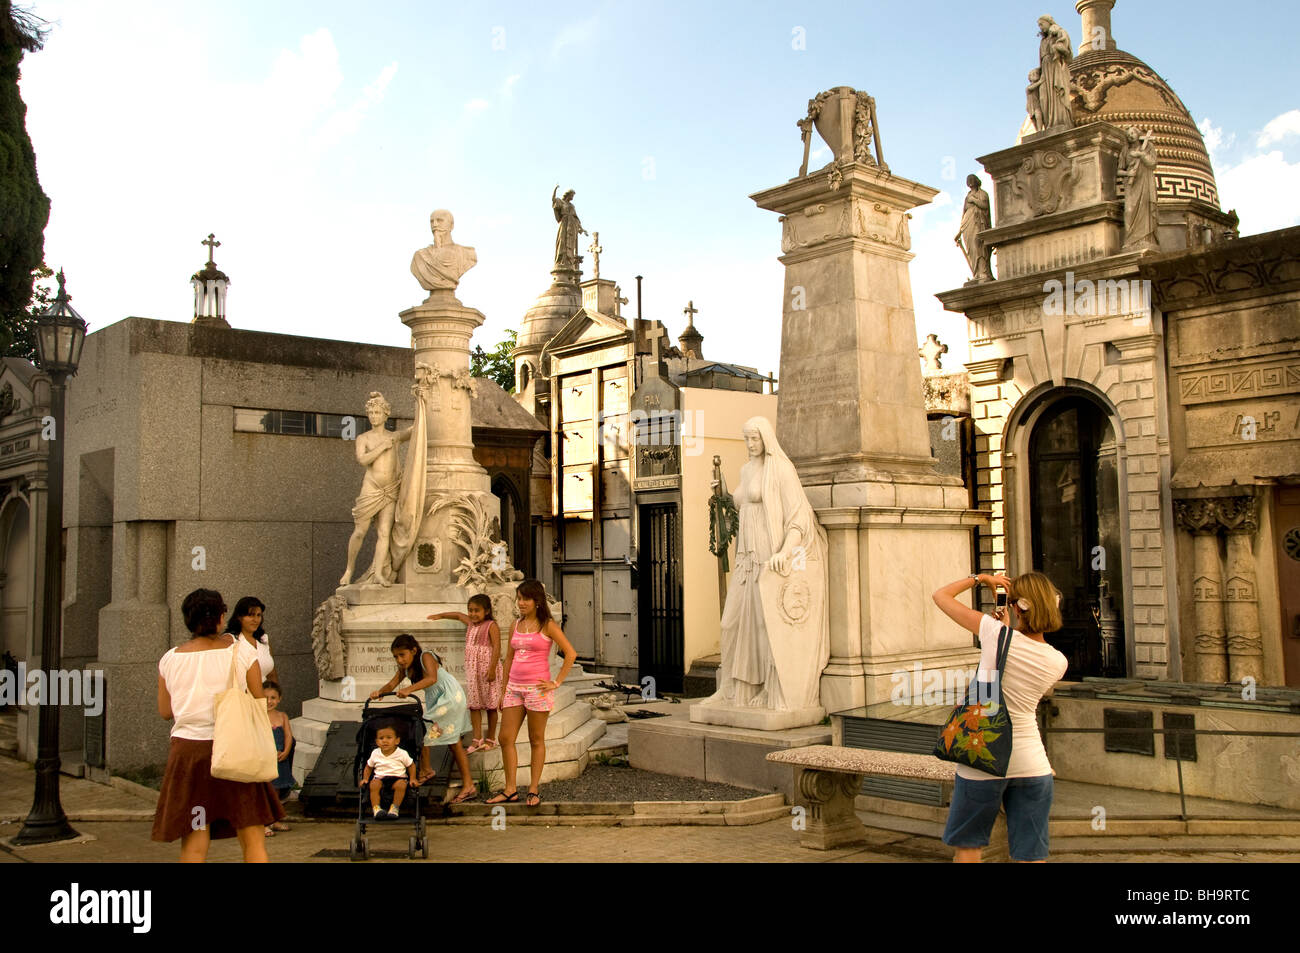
1116, 87
549, 313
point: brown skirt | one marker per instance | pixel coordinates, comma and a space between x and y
227, 806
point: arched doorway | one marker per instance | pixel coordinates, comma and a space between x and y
514, 527
1076, 533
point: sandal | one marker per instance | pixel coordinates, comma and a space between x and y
269, 832
501, 797
279, 826
533, 800
490, 743
470, 795
476, 745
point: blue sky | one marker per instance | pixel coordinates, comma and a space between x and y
315, 138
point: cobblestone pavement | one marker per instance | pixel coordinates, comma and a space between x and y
772, 842
114, 823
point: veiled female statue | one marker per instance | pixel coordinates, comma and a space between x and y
775, 640
1054, 55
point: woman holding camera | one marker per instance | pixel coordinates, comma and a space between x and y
1032, 668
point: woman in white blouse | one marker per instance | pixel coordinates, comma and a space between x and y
192, 804
246, 622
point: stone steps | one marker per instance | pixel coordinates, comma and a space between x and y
570, 731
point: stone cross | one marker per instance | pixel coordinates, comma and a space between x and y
690, 311
619, 301
595, 250
930, 352
212, 244
654, 338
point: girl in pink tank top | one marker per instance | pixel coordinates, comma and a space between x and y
528, 687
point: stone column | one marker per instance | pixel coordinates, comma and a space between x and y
852, 420
1198, 518
134, 632
441, 329
1245, 644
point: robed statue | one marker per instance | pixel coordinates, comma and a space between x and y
975, 218
1139, 175
1050, 89
567, 231
774, 633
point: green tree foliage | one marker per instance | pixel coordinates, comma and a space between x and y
18, 328
24, 208
497, 364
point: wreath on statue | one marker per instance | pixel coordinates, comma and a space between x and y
723, 521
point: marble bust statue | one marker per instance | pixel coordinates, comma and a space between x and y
774, 635
439, 266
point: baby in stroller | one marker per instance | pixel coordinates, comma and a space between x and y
388, 766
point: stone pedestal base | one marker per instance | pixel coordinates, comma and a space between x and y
827, 799
890, 546
759, 719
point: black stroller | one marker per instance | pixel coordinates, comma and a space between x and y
408, 720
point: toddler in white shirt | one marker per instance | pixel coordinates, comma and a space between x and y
388, 765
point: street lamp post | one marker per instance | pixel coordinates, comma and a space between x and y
60, 334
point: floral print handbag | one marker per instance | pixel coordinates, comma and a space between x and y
978, 733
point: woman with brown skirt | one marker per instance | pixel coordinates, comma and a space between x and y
193, 805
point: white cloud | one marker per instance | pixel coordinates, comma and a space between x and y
1287, 124
508, 87
1264, 189
1213, 136
573, 34
346, 122
1262, 186
476, 106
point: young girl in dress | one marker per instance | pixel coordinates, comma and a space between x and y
528, 687
283, 735
482, 667
446, 717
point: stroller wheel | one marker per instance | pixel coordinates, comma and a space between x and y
424, 847
356, 849
410, 848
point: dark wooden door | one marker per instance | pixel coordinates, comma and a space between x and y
661, 643
1075, 521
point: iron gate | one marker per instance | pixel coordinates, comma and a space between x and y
660, 640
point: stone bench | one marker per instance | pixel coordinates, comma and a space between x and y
830, 777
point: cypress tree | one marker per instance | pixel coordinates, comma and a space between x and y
24, 208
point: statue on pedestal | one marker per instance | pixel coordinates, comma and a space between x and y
566, 235
439, 266
377, 452
1051, 88
1139, 168
975, 218
774, 639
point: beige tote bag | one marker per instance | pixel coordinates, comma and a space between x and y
243, 748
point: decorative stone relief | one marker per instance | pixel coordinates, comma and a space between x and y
1091, 86
327, 637
1043, 183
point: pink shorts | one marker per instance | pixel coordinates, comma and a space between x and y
530, 696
